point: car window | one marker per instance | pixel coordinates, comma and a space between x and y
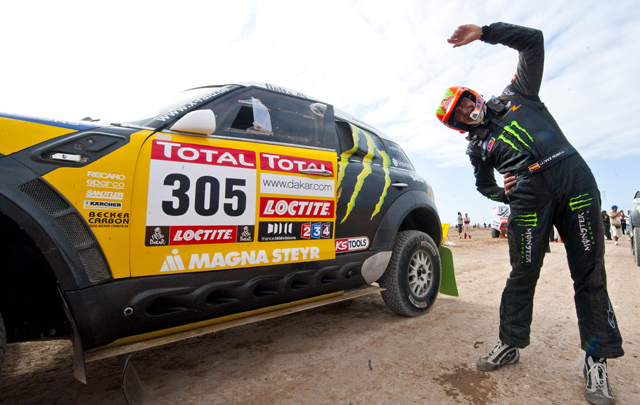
397, 155
262, 115
367, 144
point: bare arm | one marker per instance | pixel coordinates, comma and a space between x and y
465, 34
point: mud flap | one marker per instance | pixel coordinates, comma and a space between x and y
448, 281
132, 388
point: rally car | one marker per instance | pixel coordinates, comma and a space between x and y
499, 223
232, 202
634, 222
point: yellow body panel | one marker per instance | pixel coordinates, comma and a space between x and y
109, 180
30, 133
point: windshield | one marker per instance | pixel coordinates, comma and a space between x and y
158, 112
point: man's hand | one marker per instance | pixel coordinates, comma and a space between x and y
465, 34
509, 181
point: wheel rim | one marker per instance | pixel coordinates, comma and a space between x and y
420, 273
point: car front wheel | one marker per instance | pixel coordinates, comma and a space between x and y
412, 278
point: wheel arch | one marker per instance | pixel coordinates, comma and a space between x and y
55, 226
413, 210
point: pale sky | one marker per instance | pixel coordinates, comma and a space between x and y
387, 63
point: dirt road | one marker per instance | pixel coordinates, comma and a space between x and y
358, 352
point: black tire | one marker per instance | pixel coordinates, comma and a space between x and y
412, 278
635, 241
495, 233
3, 342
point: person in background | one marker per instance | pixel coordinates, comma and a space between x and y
546, 184
629, 222
616, 225
623, 222
460, 222
467, 226
607, 224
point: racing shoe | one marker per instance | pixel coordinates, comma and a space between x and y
500, 355
597, 391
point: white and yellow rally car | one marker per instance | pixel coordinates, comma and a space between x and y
232, 204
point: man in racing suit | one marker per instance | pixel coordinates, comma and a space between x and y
547, 183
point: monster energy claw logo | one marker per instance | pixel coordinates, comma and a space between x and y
514, 136
580, 201
357, 133
530, 220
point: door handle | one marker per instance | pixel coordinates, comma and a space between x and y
317, 172
400, 185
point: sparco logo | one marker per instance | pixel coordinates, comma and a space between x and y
351, 244
585, 231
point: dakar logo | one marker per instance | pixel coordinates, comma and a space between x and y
157, 238
246, 235
514, 136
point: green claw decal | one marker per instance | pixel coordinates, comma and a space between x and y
516, 131
386, 161
580, 201
366, 171
344, 157
357, 133
529, 220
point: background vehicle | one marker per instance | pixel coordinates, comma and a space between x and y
634, 220
232, 202
499, 223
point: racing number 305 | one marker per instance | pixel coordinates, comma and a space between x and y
207, 196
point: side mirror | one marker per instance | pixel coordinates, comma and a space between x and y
201, 122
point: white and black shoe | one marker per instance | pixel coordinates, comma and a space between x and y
500, 355
597, 391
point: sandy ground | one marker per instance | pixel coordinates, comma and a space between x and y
358, 352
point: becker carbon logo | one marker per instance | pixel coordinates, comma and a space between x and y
352, 244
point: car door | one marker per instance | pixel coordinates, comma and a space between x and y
368, 182
259, 192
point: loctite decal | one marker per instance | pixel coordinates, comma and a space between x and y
271, 207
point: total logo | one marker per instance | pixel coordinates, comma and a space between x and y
292, 164
352, 244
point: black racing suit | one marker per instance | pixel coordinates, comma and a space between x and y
554, 187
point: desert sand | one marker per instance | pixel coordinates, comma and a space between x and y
359, 352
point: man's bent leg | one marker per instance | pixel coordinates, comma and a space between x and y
528, 234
